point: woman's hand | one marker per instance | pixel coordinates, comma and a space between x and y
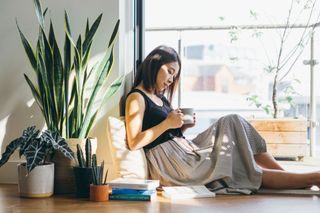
174, 119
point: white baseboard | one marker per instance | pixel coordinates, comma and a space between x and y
9, 172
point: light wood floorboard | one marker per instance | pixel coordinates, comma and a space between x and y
11, 202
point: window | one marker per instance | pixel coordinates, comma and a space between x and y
225, 66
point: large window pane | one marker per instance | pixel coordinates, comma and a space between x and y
224, 70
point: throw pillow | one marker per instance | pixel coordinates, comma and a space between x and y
129, 164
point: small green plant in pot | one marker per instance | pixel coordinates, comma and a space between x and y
99, 190
83, 171
36, 147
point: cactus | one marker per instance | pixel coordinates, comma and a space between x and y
97, 172
88, 153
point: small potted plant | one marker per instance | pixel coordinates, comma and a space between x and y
99, 190
83, 171
36, 176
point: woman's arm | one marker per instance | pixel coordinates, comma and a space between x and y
136, 138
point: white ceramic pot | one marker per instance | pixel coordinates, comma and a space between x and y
38, 183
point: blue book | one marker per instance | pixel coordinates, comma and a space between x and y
117, 191
137, 197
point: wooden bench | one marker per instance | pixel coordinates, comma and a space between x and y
285, 138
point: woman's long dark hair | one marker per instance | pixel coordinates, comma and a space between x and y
148, 70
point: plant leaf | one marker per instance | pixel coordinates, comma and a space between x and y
28, 136
10, 150
57, 143
114, 33
35, 92
28, 49
35, 154
80, 157
58, 74
91, 33
67, 70
39, 13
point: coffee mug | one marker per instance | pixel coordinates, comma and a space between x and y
187, 115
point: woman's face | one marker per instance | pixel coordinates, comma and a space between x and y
166, 75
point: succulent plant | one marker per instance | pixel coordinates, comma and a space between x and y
97, 172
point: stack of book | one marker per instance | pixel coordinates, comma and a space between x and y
133, 189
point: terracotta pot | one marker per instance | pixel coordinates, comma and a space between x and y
38, 183
64, 182
99, 192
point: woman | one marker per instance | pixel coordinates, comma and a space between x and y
230, 152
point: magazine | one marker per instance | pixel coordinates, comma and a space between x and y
184, 192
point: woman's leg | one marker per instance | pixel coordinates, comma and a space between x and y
277, 179
266, 160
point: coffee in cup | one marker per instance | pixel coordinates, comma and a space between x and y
187, 115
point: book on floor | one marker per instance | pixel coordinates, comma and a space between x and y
132, 191
184, 192
147, 196
131, 183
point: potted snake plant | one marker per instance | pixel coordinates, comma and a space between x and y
83, 171
36, 174
68, 103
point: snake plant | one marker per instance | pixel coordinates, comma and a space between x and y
62, 76
85, 162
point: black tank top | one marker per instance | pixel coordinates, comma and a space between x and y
155, 114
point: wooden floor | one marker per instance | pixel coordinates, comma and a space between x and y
11, 202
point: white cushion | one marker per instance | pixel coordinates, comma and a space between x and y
128, 164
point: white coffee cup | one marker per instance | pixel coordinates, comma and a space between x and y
187, 115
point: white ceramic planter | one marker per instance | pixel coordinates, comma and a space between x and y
38, 183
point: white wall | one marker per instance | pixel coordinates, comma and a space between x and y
17, 111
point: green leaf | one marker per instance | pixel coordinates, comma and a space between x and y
35, 154
39, 13
58, 143
28, 136
87, 27
93, 118
80, 157
91, 33
58, 74
35, 91
86, 57
51, 35
10, 150
68, 30
112, 89
28, 49
67, 70
114, 33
